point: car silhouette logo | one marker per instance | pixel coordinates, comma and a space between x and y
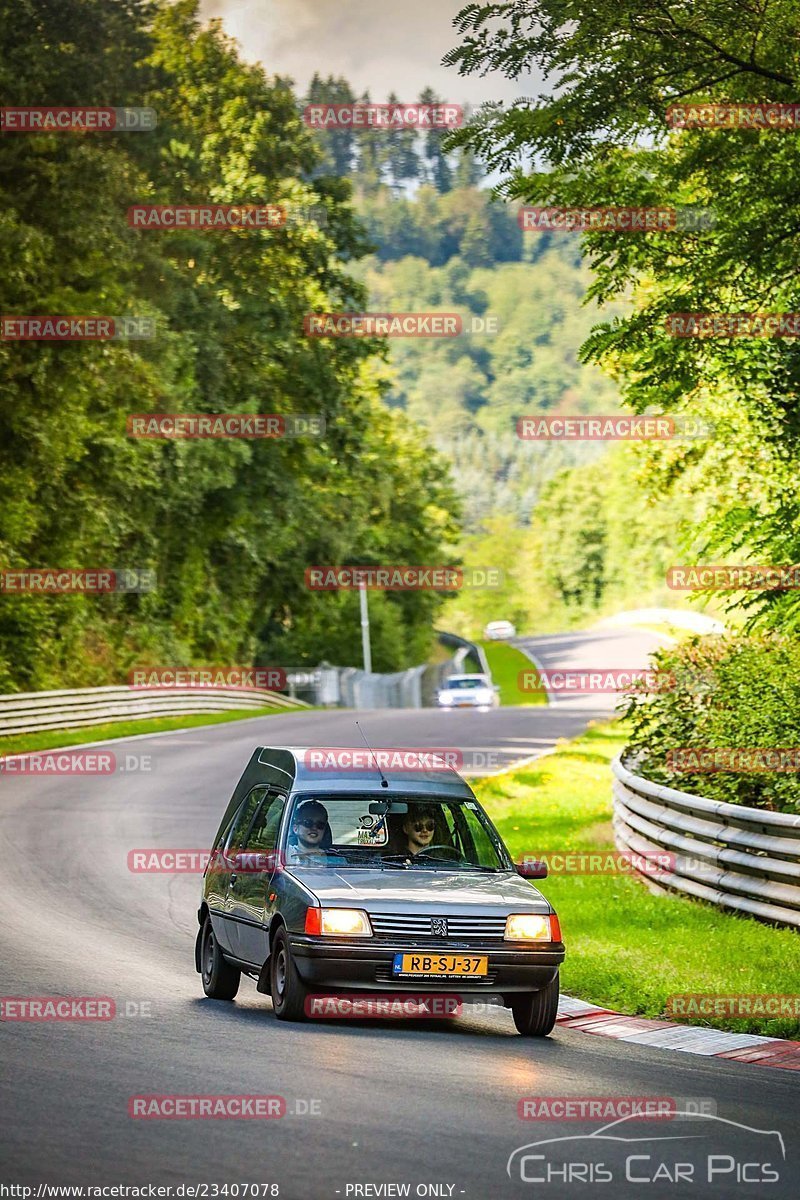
615, 1133
438, 926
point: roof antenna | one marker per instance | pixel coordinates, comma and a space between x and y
384, 780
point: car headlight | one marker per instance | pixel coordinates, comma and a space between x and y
532, 927
338, 922
445, 698
484, 697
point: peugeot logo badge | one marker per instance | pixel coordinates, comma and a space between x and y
438, 926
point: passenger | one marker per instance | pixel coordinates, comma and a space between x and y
310, 836
419, 827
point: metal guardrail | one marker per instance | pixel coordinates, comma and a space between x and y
464, 649
416, 687
744, 859
401, 689
29, 712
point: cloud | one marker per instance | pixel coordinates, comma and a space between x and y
378, 46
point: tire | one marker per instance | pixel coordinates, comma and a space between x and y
220, 980
535, 1012
288, 991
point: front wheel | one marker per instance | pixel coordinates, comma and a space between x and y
220, 980
535, 1013
288, 990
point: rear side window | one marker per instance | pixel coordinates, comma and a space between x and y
266, 823
242, 820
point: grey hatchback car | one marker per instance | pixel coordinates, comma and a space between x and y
344, 876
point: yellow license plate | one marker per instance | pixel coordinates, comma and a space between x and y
440, 964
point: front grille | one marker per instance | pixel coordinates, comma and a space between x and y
417, 926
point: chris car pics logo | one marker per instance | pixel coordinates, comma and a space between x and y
693, 1149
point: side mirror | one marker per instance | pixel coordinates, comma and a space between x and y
532, 868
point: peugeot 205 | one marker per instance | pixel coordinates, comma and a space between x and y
340, 879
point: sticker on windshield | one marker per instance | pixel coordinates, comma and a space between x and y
372, 830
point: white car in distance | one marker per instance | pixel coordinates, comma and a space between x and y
468, 691
498, 631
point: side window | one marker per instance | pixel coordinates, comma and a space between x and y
483, 850
263, 833
243, 819
470, 838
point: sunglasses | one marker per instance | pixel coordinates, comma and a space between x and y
312, 824
426, 825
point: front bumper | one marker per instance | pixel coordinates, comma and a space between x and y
367, 965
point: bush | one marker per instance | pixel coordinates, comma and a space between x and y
727, 694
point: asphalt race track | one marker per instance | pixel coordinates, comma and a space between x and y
368, 1103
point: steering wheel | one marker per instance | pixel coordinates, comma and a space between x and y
453, 853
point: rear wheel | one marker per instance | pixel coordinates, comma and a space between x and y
535, 1012
220, 980
288, 991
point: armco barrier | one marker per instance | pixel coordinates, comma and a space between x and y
29, 712
402, 689
746, 859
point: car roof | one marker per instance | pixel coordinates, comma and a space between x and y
474, 675
287, 767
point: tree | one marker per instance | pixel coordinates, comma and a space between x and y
228, 526
601, 137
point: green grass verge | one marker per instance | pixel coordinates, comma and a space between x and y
505, 663
627, 948
53, 738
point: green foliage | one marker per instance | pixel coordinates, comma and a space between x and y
522, 323
387, 158
601, 137
627, 948
505, 663
729, 694
228, 526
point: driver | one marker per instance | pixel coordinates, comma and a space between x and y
419, 827
309, 826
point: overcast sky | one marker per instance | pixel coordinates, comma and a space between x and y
378, 45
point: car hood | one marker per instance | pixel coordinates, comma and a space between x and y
423, 889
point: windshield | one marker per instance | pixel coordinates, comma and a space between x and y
340, 832
464, 684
